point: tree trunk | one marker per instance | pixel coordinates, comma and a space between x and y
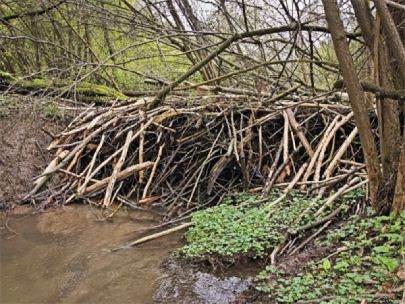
357, 100
399, 199
387, 76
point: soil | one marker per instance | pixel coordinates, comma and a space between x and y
290, 265
23, 145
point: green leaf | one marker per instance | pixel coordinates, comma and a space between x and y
326, 265
393, 237
390, 263
381, 249
341, 265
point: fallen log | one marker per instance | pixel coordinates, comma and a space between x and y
84, 91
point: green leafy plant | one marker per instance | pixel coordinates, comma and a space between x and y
373, 252
226, 230
240, 225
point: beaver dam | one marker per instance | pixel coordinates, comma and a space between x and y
188, 155
201, 151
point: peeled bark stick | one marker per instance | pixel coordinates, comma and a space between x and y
270, 181
141, 143
343, 148
285, 141
336, 195
122, 175
145, 190
318, 150
356, 186
298, 129
93, 160
260, 142
288, 189
280, 169
75, 159
43, 179
153, 236
326, 144
117, 169
108, 160
80, 146
274, 254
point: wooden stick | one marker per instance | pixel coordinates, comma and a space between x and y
117, 169
270, 181
93, 160
288, 189
145, 190
153, 236
311, 237
343, 148
298, 129
43, 179
120, 176
285, 141
80, 146
336, 195
326, 143
108, 160
318, 150
142, 117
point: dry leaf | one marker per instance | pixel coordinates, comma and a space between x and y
401, 273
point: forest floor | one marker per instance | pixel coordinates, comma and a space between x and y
356, 257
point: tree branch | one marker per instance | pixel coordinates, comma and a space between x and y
32, 14
398, 95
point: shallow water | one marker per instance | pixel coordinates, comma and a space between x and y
62, 256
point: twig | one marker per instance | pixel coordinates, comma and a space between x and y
153, 236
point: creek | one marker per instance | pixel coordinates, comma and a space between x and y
63, 256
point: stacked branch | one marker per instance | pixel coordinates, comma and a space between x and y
187, 154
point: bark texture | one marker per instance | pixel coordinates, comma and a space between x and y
357, 99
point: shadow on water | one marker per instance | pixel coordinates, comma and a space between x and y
62, 256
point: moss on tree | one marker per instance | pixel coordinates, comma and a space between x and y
85, 91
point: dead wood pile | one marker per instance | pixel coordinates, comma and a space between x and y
186, 154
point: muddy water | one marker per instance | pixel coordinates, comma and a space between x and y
63, 256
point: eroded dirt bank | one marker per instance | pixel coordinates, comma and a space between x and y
23, 143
